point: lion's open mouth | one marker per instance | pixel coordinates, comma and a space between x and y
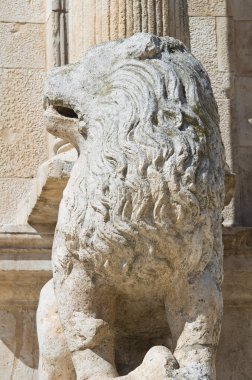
59, 110
66, 112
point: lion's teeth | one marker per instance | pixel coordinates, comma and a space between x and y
82, 123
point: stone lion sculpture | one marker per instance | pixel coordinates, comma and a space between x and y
137, 253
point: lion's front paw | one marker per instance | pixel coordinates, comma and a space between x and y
158, 364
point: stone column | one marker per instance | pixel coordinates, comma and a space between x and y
57, 33
95, 21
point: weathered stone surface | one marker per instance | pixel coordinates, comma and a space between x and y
48, 8
18, 336
57, 40
239, 364
223, 84
208, 7
237, 286
22, 135
245, 184
225, 43
224, 106
51, 41
237, 242
15, 197
25, 266
243, 53
241, 9
158, 363
228, 138
76, 38
202, 30
131, 193
54, 358
234, 360
52, 178
238, 273
7, 339
23, 11
212, 42
243, 91
22, 45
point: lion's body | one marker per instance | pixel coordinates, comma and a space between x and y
142, 209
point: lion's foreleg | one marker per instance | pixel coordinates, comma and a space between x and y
86, 311
55, 361
194, 311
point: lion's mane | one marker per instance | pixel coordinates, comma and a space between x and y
154, 166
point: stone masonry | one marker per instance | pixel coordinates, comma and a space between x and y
220, 36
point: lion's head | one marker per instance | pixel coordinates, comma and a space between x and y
151, 160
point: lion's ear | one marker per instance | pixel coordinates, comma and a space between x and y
141, 46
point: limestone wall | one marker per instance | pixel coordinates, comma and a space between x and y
23, 141
220, 32
242, 110
23, 146
211, 33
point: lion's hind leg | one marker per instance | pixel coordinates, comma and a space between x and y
194, 311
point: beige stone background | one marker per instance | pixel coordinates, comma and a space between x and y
219, 33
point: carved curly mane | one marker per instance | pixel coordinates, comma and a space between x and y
154, 162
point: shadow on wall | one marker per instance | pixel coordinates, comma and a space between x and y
18, 342
235, 31
239, 42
